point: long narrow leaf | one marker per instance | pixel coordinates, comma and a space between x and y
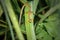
35, 3
1, 11
23, 1
7, 18
15, 6
13, 18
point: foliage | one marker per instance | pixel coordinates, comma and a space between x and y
30, 19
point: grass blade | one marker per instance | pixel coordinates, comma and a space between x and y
7, 18
23, 1
35, 3
1, 11
13, 19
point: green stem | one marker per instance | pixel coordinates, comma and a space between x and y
13, 19
29, 17
7, 18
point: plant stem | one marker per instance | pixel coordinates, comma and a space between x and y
8, 20
29, 17
13, 19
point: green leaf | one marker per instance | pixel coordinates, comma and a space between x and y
52, 3
2, 30
23, 29
23, 1
7, 6
52, 24
41, 34
1, 11
2, 25
48, 13
53, 21
35, 3
15, 6
40, 10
